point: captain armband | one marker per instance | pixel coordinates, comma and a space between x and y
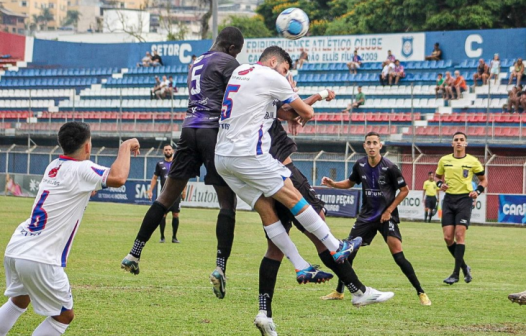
480, 189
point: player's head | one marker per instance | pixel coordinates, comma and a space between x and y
168, 151
372, 144
460, 141
359, 89
75, 139
277, 59
230, 40
431, 176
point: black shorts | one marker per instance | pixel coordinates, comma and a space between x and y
176, 207
301, 183
196, 147
431, 202
456, 210
368, 231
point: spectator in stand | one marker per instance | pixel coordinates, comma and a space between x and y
355, 63
494, 67
440, 88
448, 86
163, 88
156, 87
482, 73
156, 59
169, 92
192, 62
388, 68
146, 60
513, 99
359, 100
390, 56
398, 73
517, 72
522, 100
304, 57
436, 55
459, 84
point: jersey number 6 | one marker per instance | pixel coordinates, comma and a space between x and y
228, 104
39, 215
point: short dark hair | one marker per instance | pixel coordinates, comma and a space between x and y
430, 173
457, 133
439, 74
437, 44
167, 145
372, 134
230, 36
72, 135
281, 54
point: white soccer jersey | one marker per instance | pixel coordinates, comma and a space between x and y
249, 109
62, 197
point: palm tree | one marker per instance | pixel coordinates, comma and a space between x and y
72, 18
46, 16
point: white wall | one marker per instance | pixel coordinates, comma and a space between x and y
118, 20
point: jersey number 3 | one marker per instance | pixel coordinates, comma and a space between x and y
228, 104
39, 215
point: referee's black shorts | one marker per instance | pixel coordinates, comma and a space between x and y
456, 210
431, 202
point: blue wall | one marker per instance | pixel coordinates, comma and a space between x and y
462, 44
118, 55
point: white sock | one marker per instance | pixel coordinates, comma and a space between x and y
313, 223
276, 232
9, 313
50, 327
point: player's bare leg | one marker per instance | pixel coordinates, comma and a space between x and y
171, 191
520, 298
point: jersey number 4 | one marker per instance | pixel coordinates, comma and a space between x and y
228, 104
39, 215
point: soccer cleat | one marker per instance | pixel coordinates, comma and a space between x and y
334, 295
312, 274
162, 240
453, 278
130, 264
370, 296
265, 324
467, 274
520, 298
174, 240
218, 281
424, 299
346, 248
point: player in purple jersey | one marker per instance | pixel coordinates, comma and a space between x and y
207, 81
380, 179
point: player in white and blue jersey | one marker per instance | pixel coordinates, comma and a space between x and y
37, 253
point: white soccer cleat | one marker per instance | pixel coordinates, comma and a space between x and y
370, 296
265, 324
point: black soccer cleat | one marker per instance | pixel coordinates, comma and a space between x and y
453, 278
467, 274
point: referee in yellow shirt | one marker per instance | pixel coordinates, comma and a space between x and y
457, 170
430, 197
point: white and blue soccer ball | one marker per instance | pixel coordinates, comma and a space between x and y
292, 23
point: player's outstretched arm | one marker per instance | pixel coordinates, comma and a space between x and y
305, 111
345, 184
121, 167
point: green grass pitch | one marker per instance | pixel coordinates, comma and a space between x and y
172, 295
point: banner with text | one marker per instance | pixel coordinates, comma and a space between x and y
412, 207
134, 192
339, 49
339, 203
200, 195
512, 209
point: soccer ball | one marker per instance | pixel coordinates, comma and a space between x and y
292, 23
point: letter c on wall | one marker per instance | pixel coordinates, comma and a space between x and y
470, 40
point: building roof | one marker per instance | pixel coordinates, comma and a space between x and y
11, 13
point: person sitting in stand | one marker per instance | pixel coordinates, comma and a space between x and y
355, 63
398, 73
482, 73
359, 100
156, 59
436, 54
146, 60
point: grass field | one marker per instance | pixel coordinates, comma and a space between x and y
172, 295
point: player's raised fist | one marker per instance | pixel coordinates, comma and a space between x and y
133, 145
327, 181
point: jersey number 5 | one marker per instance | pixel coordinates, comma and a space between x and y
196, 79
39, 215
228, 104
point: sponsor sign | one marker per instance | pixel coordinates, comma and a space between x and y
340, 49
338, 202
200, 195
512, 209
134, 192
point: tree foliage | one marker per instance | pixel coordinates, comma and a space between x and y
339, 17
251, 27
72, 18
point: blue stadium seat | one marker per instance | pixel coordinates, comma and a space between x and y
345, 77
332, 67
82, 72
417, 77
317, 67
357, 77
342, 67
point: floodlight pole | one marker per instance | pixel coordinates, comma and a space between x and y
214, 19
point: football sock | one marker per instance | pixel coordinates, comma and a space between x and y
345, 273
430, 215
226, 223
277, 233
162, 226
9, 313
313, 223
149, 224
175, 227
425, 216
50, 327
459, 257
268, 273
408, 270
452, 249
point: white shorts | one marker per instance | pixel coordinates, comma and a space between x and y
355, 64
495, 71
47, 285
252, 176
